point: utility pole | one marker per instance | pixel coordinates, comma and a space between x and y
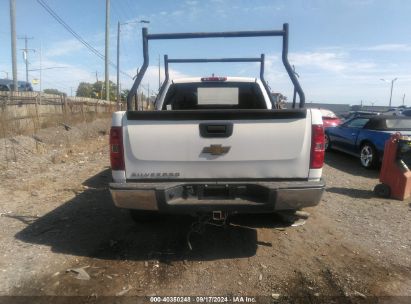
107, 49
118, 67
26, 54
13, 42
403, 99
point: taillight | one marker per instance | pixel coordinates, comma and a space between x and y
116, 149
317, 147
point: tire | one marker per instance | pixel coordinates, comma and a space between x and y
382, 190
143, 216
368, 156
327, 143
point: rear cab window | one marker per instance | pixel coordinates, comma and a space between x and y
214, 95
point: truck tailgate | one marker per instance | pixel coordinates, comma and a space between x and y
262, 144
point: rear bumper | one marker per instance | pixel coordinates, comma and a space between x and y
232, 197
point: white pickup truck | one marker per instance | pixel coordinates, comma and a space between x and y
216, 145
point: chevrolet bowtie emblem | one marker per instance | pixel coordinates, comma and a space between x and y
216, 150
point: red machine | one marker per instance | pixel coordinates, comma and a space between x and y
395, 176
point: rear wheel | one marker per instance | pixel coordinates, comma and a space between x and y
368, 156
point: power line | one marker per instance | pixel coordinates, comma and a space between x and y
77, 36
68, 28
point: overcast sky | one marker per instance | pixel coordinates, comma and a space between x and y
341, 49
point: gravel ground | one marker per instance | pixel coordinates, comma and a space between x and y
57, 214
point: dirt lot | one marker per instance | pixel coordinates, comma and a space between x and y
57, 214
